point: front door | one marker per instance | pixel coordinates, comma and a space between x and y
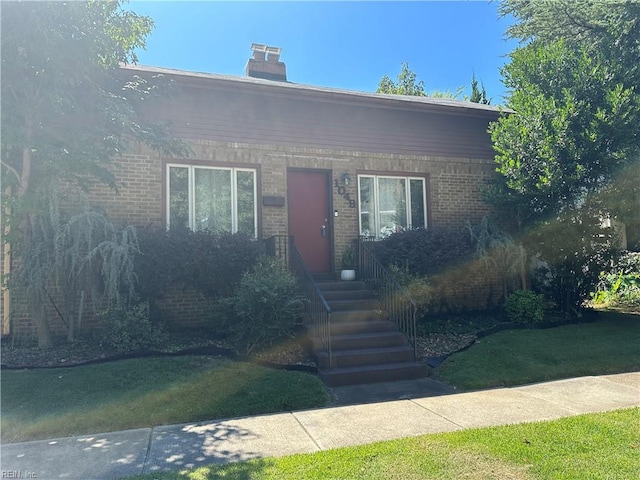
309, 220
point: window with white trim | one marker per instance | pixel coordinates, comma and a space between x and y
215, 199
389, 204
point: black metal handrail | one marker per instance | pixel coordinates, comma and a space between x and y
283, 246
393, 296
278, 246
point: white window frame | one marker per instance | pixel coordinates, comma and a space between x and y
191, 194
376, 197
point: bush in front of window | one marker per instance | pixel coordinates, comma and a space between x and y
266, 305
426, 251
211, 263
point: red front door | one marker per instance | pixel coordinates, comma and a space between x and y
308, 202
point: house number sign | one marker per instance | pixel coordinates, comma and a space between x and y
342, 190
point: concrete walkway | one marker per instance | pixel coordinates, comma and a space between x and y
174, 447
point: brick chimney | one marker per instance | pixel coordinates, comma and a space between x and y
266, 63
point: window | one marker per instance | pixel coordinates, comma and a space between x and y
390, 204
212, 198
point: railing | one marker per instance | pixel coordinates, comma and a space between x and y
278, 246
282, 246
394, 298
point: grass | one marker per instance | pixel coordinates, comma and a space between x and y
593, 446
47, 403
516, 357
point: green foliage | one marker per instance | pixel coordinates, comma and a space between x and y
128, 328
568, 153
417, 286
608, 30
573, 130
524, 306
73, 257
67, 110
210, 263
478, 94
425, 251
499, 252
408, 85
266, 304
348, 260
620, 286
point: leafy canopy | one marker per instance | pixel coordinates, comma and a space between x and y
574, 86
67, 110
573, 139
66, 107
408, 84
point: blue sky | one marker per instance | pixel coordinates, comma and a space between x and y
347, 45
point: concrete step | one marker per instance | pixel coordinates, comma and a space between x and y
351, 316
362, 340
364, 356
355, 304
372, 374
348, 294
351, 328
341, 286
325, 277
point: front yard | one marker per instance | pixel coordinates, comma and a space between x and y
48, 403
52, 402
608, 344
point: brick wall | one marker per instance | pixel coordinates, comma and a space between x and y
138, 200
454, 193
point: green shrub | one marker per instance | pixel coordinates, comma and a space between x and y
621, 286
417, 286
524, 306
128, 328
426, 251
348, 260
266, 304
210, 263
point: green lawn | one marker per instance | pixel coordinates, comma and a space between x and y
49, 403
594, 447
515, 357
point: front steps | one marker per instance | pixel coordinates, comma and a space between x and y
366, 345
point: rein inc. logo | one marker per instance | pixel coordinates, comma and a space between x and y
18, 474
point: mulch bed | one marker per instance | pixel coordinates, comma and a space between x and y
290, 354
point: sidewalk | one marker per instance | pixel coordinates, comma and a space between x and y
174, 447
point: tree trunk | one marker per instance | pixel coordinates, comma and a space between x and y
42, 326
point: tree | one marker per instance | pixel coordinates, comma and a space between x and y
574, 88
407, 84
478, 94
67, 109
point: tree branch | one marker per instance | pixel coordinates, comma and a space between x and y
11, 169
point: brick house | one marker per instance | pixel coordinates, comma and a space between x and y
322, 164
325, 165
